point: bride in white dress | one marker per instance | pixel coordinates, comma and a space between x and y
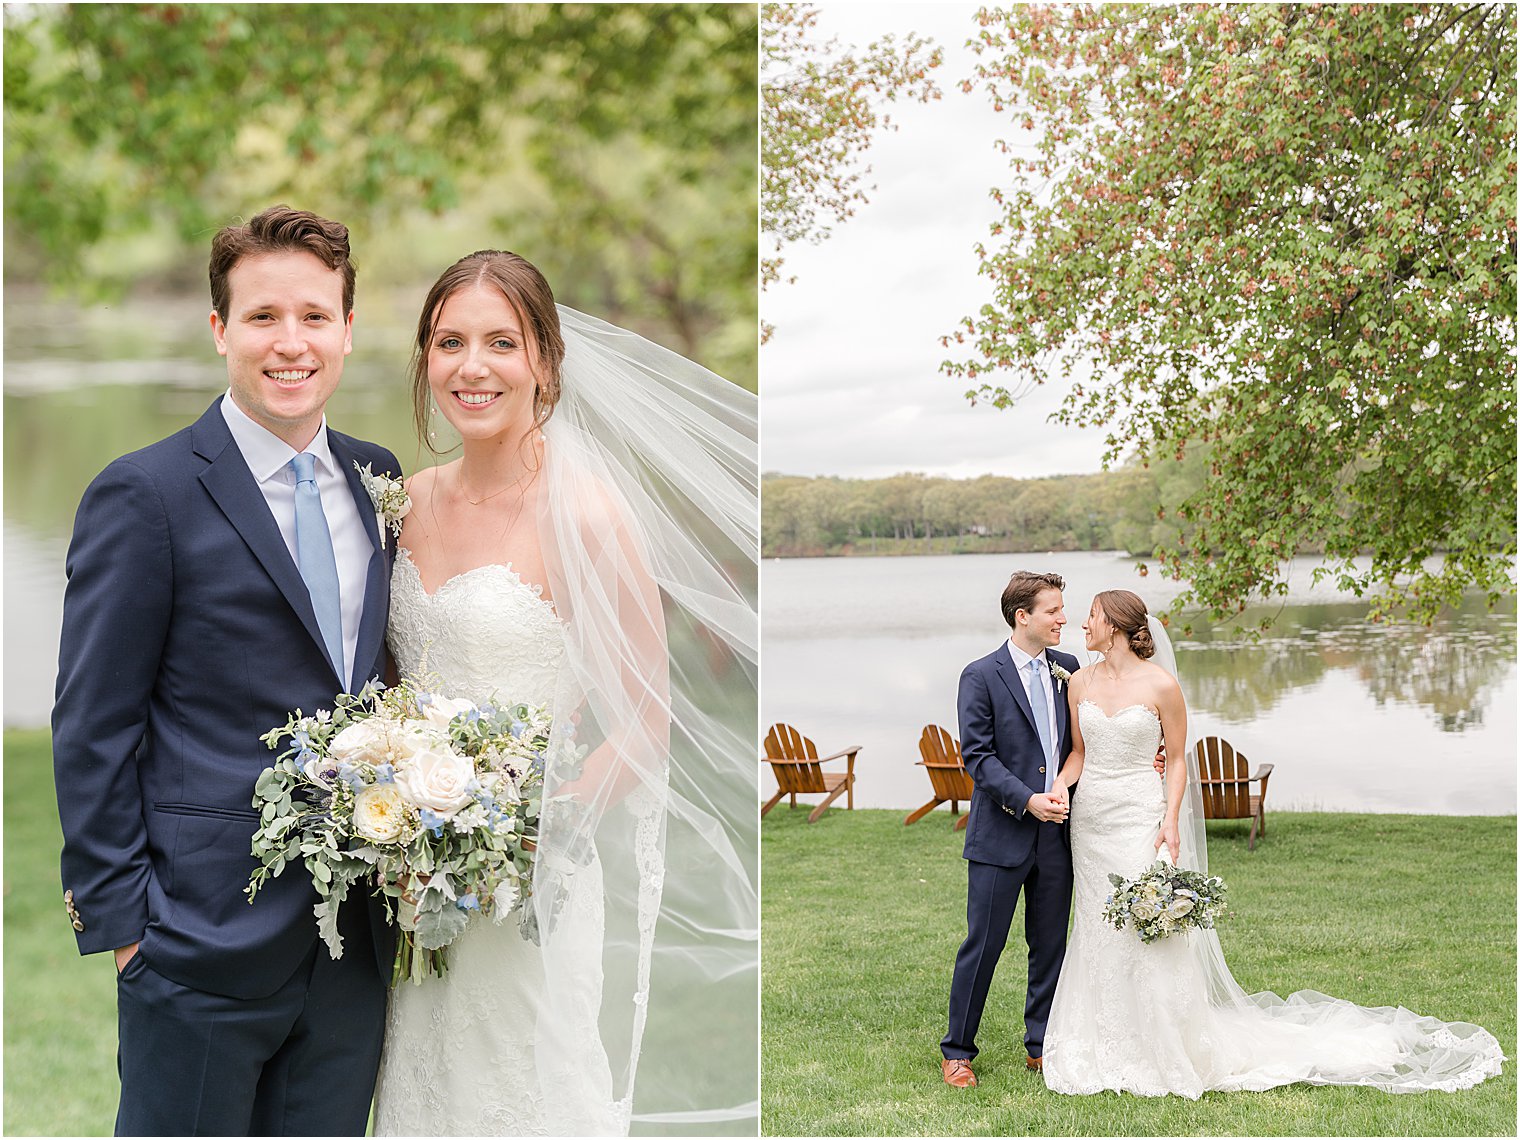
1166, 1016
592, 550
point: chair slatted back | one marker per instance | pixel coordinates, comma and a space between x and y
785, 743
942, 760
1218, 760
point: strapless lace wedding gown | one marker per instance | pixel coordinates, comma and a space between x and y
1159, 1018
460, 1056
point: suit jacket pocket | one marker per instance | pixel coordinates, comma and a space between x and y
206, 811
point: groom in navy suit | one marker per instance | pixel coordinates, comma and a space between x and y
218, 580
1015, 732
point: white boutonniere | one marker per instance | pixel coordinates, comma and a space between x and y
1059, 675
390, 499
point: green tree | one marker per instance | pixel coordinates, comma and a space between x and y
820, 110
617, 143
1285, 233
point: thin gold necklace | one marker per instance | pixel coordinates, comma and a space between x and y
487, 498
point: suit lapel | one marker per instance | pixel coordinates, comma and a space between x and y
376, 598
1010, 675
233, 488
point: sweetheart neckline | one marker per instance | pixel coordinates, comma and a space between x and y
535, 591
1118, 712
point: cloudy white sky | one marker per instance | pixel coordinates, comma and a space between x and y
850, 381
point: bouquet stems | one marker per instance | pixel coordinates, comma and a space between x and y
413, 964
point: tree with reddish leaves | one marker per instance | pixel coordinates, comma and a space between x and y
1284, 234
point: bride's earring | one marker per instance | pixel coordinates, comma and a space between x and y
432, 425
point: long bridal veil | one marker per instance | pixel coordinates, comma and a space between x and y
650, 531
1386, 1047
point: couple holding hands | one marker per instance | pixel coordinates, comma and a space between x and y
1082, 772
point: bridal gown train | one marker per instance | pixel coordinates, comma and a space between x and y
460, 1055
1166, 1017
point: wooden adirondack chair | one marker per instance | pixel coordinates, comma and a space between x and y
795, 761
1226, 785
941, 754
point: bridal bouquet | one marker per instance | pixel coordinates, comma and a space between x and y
434, 801
1164, 899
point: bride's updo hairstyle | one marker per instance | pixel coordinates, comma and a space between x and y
1126, 612
531, 299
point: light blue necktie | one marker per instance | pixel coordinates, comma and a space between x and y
314, 554
1041, 709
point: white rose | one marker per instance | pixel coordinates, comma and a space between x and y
379, 813
417, 737
366, 740
441, 710
1180, 906
1144, 911
438, 779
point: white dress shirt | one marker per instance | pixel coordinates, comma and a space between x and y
1042, 677
268, 458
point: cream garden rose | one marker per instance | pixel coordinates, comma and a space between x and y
379, 813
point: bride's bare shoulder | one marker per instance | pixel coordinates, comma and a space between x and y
424, 479
1162, 683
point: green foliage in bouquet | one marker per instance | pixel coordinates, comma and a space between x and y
436, 802
1164, 899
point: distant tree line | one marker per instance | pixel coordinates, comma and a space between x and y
1125, 509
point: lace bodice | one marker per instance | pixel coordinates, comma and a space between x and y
483, 633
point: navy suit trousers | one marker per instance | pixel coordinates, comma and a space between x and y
300, 1062
991, 895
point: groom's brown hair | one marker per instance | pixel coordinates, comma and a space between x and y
1022, 590
279, 229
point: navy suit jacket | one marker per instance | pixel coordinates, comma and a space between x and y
188, 632
1002, 753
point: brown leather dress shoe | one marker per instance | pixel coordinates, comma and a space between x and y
1035, 1063
958, 1072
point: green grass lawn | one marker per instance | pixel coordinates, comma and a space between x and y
861, 918
60, 1009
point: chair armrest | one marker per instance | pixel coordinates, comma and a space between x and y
1262, 773
850, 752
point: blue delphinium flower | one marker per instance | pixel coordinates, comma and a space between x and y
385, 773
431, 820
467, 902
351, 774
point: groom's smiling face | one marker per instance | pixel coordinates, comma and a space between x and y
1043, 629
285, 338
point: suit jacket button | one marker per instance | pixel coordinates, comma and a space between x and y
68, 905
1042, 767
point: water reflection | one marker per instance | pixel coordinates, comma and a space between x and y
1451, 669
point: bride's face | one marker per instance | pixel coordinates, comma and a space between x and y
1097, 633
481, 365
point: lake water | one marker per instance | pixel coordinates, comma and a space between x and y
1354, 716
